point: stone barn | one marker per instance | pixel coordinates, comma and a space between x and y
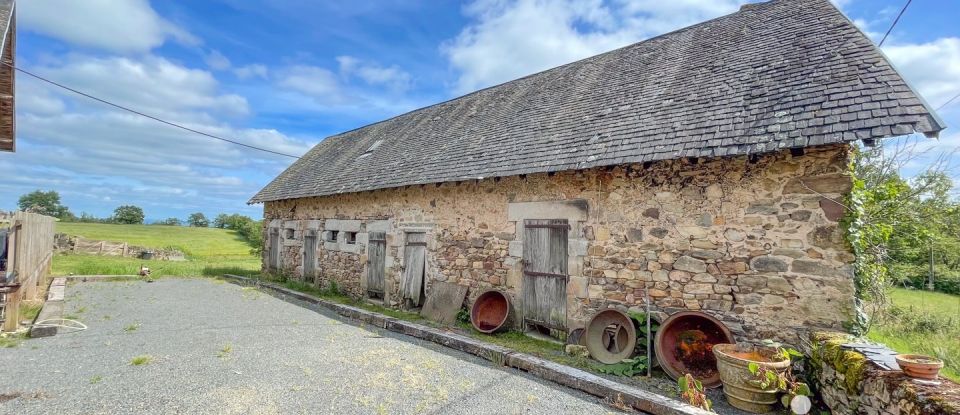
705, 169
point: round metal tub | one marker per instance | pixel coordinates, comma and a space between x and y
491, 312
684, 344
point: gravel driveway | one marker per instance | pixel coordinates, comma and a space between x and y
215, 347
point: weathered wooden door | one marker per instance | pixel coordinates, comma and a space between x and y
310, 256
376, 261
414, 267
273, 255
545, 272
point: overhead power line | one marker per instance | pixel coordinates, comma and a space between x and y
157, 119
895, 22
948, 102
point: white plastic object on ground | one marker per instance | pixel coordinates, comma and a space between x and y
63, 323
800, 404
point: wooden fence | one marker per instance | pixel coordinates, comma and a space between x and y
29, 256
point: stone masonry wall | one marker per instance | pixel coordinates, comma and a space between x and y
849, 383
753, 241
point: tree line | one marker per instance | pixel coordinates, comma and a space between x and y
48, 203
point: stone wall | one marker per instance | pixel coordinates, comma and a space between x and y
752, 240
849, 382
75, 244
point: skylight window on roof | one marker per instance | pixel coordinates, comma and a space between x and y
372, 147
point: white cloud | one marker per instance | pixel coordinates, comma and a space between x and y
356, 87
510, 39
251, 71
933, 68
89, 151
320, 83
147, 82
216, 61
120, 26
373, 74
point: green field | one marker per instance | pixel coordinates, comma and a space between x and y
923, 322
209, 251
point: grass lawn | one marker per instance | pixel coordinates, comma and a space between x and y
195, 242
209, 251
923, 322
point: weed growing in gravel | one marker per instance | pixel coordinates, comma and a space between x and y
10, 341
132, 327
96, 379
141, 360
30, 309
225, 351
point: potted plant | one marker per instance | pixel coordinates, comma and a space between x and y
919, 366
753, 377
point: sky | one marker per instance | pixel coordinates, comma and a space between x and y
284, 74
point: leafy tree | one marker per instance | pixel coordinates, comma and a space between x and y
220, 221
198, 220
44, 203
895, 225
249, 229
170, 222
128, 214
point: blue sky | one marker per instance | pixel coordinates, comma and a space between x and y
284, 74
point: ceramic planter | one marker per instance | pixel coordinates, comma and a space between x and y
919, 366
739, 385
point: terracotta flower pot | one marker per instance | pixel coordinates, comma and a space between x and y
919, 366
739, 385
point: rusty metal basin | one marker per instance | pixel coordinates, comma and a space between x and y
684, 344
490, 312
610, 336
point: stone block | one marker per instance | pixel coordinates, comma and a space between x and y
573, 210
695, 232
706, 254
752, 281
761, 209
713, 192
577, 287
634, 235
653, 213
833, 211
704, 277
828, 237
835, 183
732, 267
734, 235
601, 233
515, 249
659, 232
686, 263
778, 285
768, 264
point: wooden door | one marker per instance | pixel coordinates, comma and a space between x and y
273, 255
414, 267
310, 256
376, 262
545, 272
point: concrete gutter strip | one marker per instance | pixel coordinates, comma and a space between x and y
636, 398
52, 309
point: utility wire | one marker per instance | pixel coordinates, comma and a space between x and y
157, 119
895, 22
948, 102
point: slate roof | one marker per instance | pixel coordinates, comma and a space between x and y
775, 75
